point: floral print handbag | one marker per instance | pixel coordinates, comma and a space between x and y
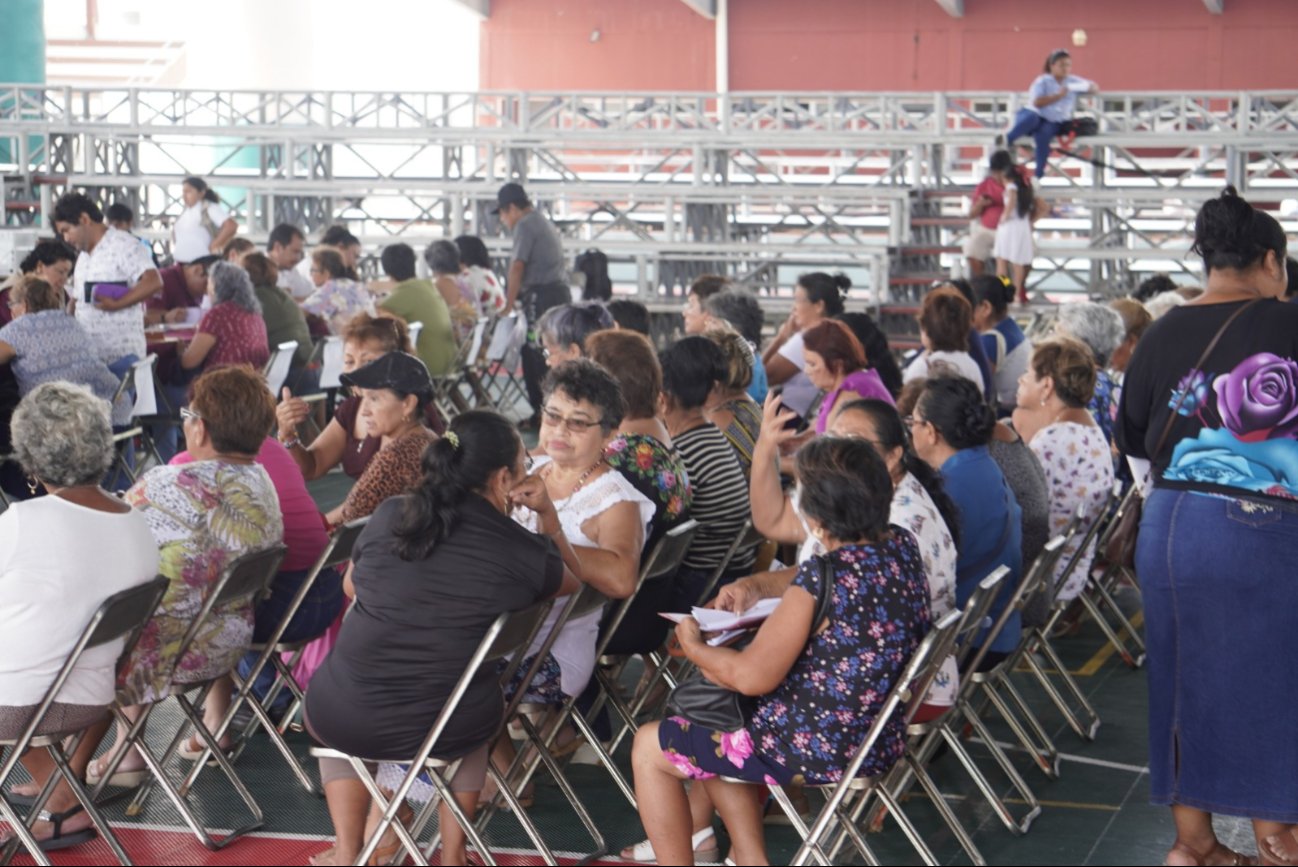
1121, 548
712, 706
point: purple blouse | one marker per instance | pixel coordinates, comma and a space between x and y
862, 383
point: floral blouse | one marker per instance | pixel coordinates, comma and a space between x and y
1104, 404
339, 301
814, 720
1079, 473
202, 515
656, 471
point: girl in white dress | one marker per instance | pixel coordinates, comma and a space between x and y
1013, 250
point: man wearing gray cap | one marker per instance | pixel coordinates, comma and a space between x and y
538, 276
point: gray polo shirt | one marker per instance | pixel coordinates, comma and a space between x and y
538, 247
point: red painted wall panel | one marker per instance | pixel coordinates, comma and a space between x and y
817, 45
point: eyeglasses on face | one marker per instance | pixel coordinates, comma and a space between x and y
572, 425
187, 414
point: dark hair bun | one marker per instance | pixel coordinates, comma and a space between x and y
1231, 233
976, 422
843, 282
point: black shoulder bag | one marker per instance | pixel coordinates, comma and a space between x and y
705, 703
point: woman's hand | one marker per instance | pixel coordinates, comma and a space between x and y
176, 315
688, 634
531, 493
788, 328
737, 596
774, 431
290, 413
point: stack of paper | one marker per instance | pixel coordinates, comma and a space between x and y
727, 624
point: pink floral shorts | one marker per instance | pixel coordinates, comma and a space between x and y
702, 753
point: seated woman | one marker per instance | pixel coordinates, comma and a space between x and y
203, 515
346, 441
45, 344
603, 518
1135, 322
1007, 348
740, 309
945, 319
643, 454
816, 296
1099, 327
800, 727
395, 391
443, 259
284, 319
564, 330
692, 368
1053, 419
390, 675
233, 331
731, 408
951, 427
835, 363
63, 440
339, 297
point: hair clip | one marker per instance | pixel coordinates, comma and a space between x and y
454, 439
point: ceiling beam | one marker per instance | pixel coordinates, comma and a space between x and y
954, 8
1216, 7
482, 7
706, 8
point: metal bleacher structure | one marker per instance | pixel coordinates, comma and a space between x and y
759, 186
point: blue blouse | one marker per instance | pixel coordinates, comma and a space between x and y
757, 388
991, 531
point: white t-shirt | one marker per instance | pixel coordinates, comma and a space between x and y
929, 364
296, 284
58, 562
798, 394
193, 241
119, 257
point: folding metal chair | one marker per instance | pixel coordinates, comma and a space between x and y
122, 616
244, 581
924, 738
337, 552
413, 328
1100, 593
276, 370
912, 683
509, 635
994, 685
447, 397
150, 409
1084, 720
502, 383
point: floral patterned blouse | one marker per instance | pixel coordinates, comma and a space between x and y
202, 515
1079, 473
339, 301
656, 471
1104, 404
813, 721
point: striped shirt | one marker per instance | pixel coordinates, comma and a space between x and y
720, 497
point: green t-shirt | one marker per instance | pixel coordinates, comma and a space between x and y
284, 321
419, 301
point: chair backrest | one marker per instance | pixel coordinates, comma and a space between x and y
667, 554
973, 617
1125, 500
343, 542
331, 362
745, 540
141, 376
475, 341
414, 328
1038, 578
1082, 556
248, 575
517, 631
501, 337
276, 370
1029, 584
943, 634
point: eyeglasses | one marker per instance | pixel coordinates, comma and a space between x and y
187, 414
528, 463
911, 420
572, 425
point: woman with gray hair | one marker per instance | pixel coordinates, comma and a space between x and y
64, 441
233, 331
1101, 329
564, 330
443, 259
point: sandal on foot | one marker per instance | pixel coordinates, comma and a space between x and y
193, 748
1281, 848
119, 780
59, 840
1226, 855
643, 852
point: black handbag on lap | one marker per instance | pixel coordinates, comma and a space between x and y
705, 703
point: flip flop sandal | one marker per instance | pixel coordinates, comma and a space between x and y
119, 780
191, 749
643, 852
60, 840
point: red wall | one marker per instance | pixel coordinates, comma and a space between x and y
888, 44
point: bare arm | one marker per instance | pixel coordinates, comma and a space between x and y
7, 353
514, 283
1011, 205
614, 566
324, 453
773, 514
780, 370
197, 351
762, 665
223, 236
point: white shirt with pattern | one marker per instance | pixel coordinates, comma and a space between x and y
1079, 472
119, 257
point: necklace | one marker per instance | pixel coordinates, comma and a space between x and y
580, 481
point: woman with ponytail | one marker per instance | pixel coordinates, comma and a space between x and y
431, 571
1210, 400
1013, 249
204, 227
816, 297
1008, 348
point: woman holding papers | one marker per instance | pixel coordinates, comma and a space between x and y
804, 725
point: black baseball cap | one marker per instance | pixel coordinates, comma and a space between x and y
511, 194
396, 370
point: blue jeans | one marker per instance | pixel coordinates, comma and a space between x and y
1028, 122
1221, 611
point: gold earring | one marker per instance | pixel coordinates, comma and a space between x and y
32, 484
